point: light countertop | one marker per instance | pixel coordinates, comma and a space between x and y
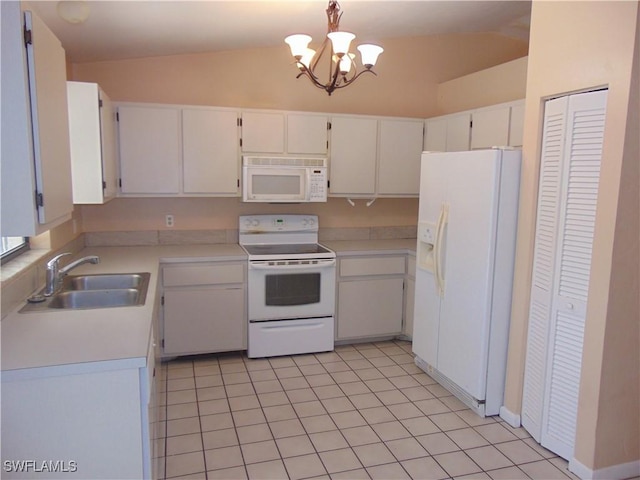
89, 338
57, 342
372, 247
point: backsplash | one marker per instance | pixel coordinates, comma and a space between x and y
200, 237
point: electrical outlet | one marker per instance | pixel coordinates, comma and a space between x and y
168, 220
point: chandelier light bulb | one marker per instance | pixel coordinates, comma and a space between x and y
346, 62
299, 44
369, 54
340, 42
307, 57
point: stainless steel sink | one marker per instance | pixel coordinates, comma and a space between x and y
122, 297
105, 290
105, 281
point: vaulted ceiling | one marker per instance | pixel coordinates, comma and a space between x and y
131, 29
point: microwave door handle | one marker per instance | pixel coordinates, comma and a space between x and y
263, 266
307, 187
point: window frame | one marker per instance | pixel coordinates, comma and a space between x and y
15, 251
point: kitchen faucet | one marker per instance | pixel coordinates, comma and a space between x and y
55, 274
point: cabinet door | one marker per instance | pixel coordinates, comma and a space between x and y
353, 156
36, 167
307, 134
47, 83
490, 128
370, 307
458, 132
516, 125
92, 140
108, 143
400, 148
205, 319
435, 138
149, 149
210, 151
263, 132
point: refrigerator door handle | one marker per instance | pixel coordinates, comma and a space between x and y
436, 252
442, 223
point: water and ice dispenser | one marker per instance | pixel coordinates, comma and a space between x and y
426, 245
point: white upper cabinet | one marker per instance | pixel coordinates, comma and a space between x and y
490, 128
307, 134
399, 151
263, 132
292, 133
435, 135
498, 125
458, 132
36, 168
210, 151
516, 124
150, 149
93, 143
352, 168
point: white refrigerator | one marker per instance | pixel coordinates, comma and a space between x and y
464, 271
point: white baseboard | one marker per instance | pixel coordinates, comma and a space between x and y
614, 472
511, 418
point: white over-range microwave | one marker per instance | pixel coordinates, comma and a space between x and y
284, 179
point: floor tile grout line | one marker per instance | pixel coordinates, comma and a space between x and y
397, 418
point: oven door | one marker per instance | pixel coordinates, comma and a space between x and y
288, 289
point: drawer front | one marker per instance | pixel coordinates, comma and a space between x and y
177, 276
352, 267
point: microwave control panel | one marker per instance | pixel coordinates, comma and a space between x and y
318, 185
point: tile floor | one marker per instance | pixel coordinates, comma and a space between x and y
363, 411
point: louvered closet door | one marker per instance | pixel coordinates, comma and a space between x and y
543, 265
570, 170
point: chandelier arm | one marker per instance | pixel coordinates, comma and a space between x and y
355, 77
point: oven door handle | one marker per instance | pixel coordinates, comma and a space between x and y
304, 266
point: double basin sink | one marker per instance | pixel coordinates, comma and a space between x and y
105, 290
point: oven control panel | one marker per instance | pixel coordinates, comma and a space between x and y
277, 223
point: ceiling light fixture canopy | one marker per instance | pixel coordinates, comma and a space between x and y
342, 69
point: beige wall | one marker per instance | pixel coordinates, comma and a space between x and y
576, 46
408, 74
499, 84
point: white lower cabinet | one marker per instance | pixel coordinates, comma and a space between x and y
204, 308
370, 296
80, 421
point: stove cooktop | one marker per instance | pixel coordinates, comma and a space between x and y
283, 250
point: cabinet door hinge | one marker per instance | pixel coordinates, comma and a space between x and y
104, 185
28, 38
238, 183
239, 121
39, 199
328, 125
328, 184
162, 343
470, 123
99, 103
162, 300
241, 142
117, 116
120, 182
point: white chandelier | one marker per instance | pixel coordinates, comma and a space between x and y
342, 71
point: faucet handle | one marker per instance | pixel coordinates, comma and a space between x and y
54, 261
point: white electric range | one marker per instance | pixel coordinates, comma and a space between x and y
291, 285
